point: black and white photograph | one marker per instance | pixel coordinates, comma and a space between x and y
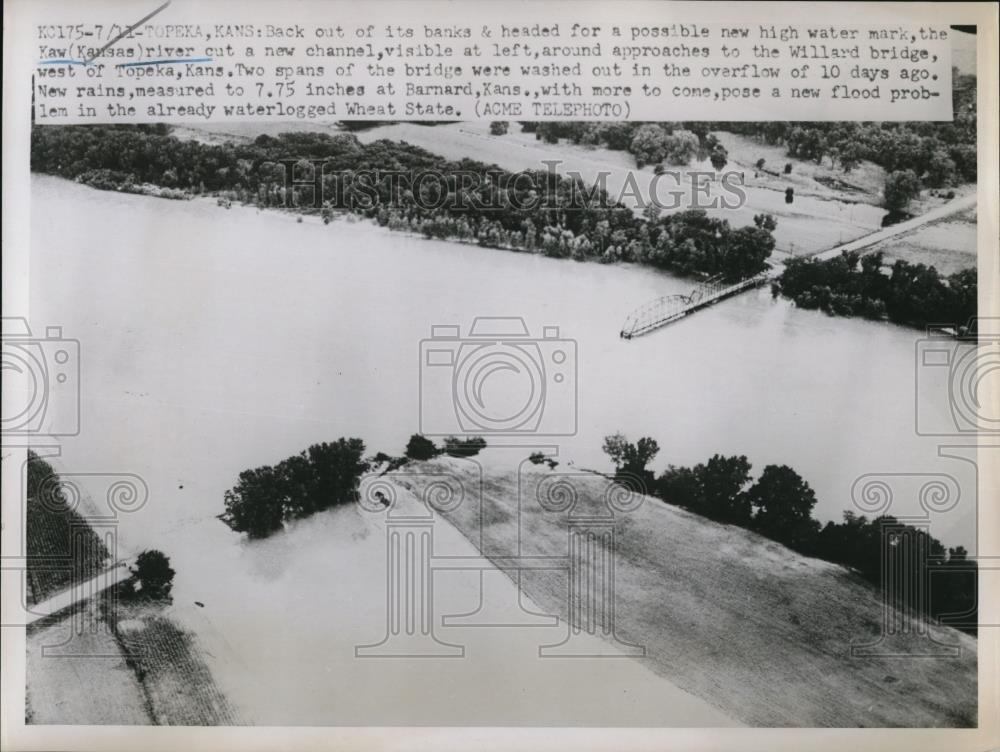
527, 417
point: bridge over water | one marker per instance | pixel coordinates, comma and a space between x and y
670, 308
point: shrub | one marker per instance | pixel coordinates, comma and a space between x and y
469, 447
154, 573
901, 187
649, 144
420, 448
719, 157
539, 458
681, 146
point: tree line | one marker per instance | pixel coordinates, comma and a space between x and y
323, 476
915, 155
649, 143
535, 211
940, 152
855, 285
421, 448
779, 504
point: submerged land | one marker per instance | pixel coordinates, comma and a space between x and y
736, 628
723, 625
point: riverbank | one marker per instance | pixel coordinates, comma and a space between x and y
683, 242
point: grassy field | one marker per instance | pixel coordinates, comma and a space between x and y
166, 660
136, 667
821, 216
96, 687
756, 630
948, 245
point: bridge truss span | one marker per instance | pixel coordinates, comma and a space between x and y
662, 311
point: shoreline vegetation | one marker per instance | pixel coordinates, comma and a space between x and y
404, 187
777, 505
323, 476
853, 284
546, 213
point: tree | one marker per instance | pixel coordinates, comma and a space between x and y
615, 446
719, 157
649, 144
721, 481
941, 170
499, 127
747, 251
640, 455
629, 456
680, 146
256, 504
156, 577
323, 476
953, 586
765, 222
783, 503
901, 187
850, 155
964, 293
679, 485
631, 459
335, 470
420, 448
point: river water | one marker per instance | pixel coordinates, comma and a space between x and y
217, 340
